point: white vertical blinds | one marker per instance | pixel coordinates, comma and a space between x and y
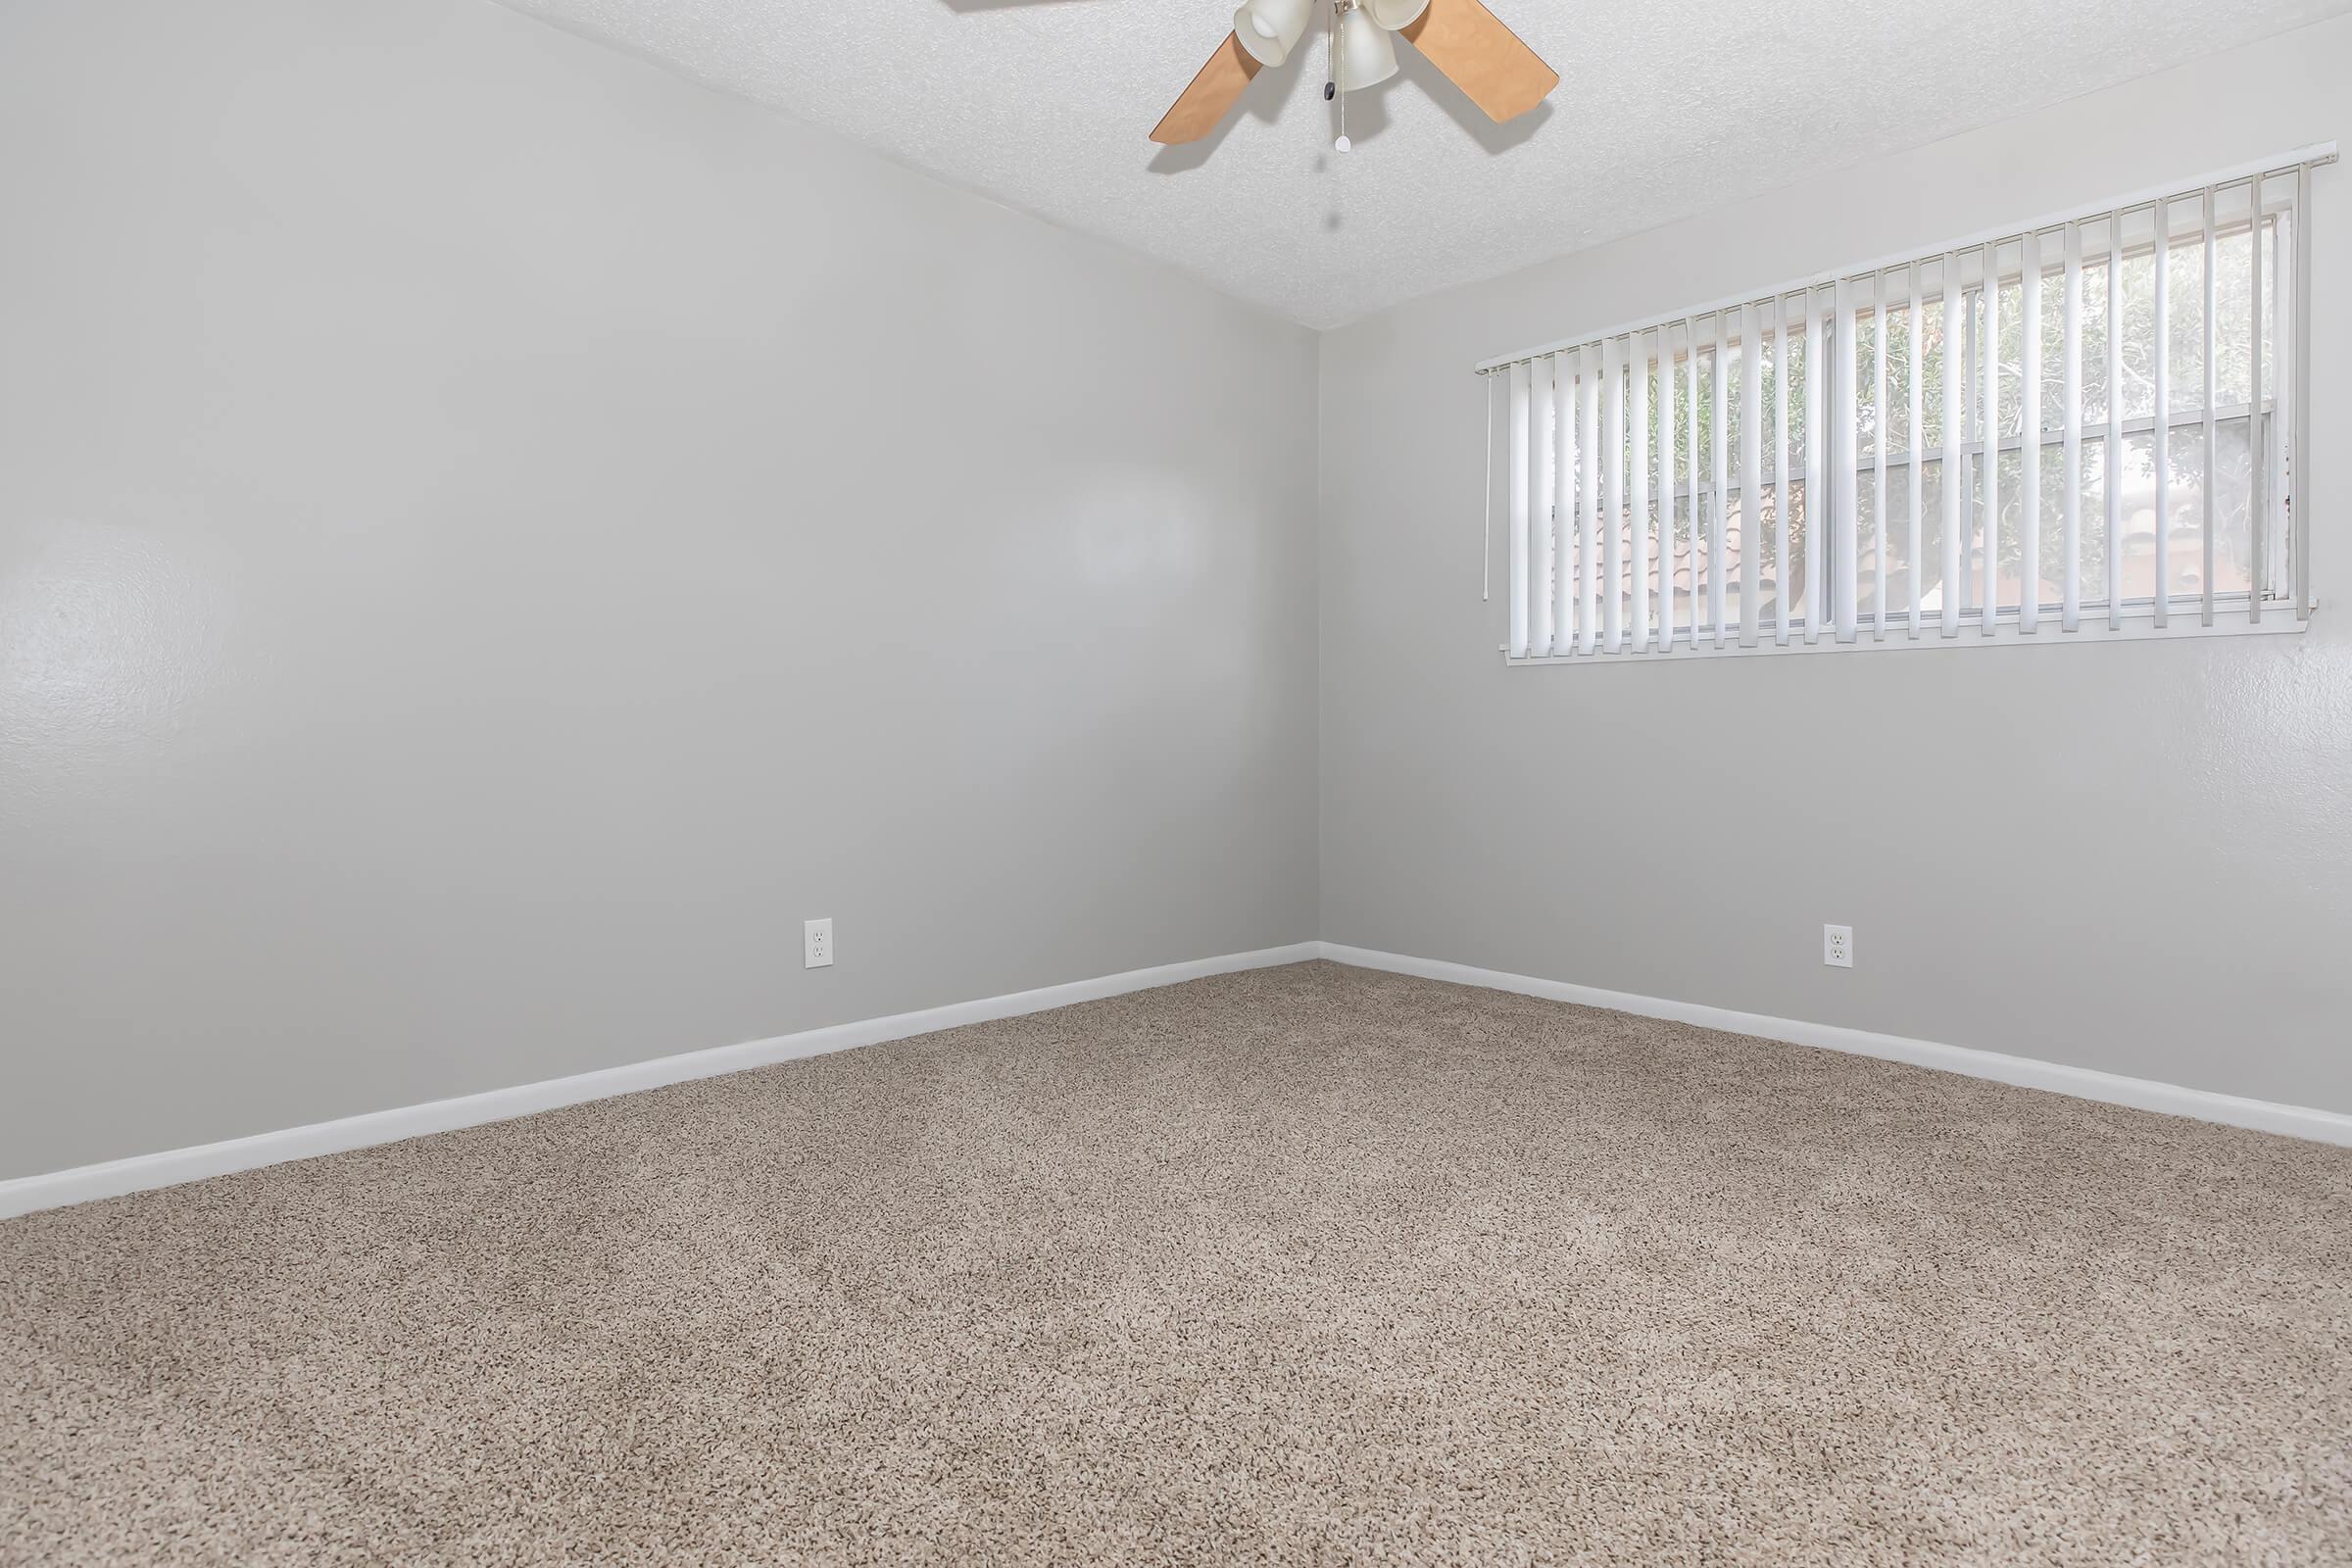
2256, 470
2213, 449
1816, 471
1612, 448
1989, 425
1640, 517
1847, 457
2159, 434
1752, 466
1516, 425
1562, 369
2029, 501
1718, 528
1587, 574
1918, 464
2115, 425
1877, 445
2001, 437
1666, 488
2298, 447
1539, 490
1955, 434
1690, 400
1780, 470
2069, 462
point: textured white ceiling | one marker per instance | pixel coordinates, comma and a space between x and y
1664, 108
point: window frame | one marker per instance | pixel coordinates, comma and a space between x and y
2276, 194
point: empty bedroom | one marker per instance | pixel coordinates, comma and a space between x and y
1128, 782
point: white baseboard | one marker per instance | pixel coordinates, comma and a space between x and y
113, 1178
141, 1172
2084, 1083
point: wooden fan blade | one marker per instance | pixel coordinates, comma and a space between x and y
1213, 92
1484, 58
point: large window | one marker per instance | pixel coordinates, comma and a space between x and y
2085, 428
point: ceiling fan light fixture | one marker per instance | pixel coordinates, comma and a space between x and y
1366, 57
1461, 40
1271, 29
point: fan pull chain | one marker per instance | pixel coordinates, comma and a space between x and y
1338, 59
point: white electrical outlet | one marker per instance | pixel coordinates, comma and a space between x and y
816, 944
1837, 946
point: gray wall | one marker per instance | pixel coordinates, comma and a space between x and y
493, 536
2132, 858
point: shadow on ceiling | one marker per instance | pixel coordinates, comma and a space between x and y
1265, 100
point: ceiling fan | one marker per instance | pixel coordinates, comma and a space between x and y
1461, 38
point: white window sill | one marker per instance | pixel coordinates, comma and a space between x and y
2138, 625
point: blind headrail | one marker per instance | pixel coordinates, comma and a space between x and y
2317, 155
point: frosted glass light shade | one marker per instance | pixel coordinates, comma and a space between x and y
1270, 29
1281, 18
1366, 57
1395, 13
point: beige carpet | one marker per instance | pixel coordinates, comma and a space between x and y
1309, 1265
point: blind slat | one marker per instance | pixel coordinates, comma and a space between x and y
2028, 491
1587, 618
1666, 487
2115, 421
1690, 432
2258, 515
1543, 456
1612, 448
1955, 401
1718, 525
1988, 363
1879, 325
2162, 435
1569, 459
1519, 477
1845, 436
1640, 465
1781, 575
1817, 507
1917, 411
2299, 451
2070, 458
1751, 468
2210, 480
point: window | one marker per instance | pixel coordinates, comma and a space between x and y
2088, 428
